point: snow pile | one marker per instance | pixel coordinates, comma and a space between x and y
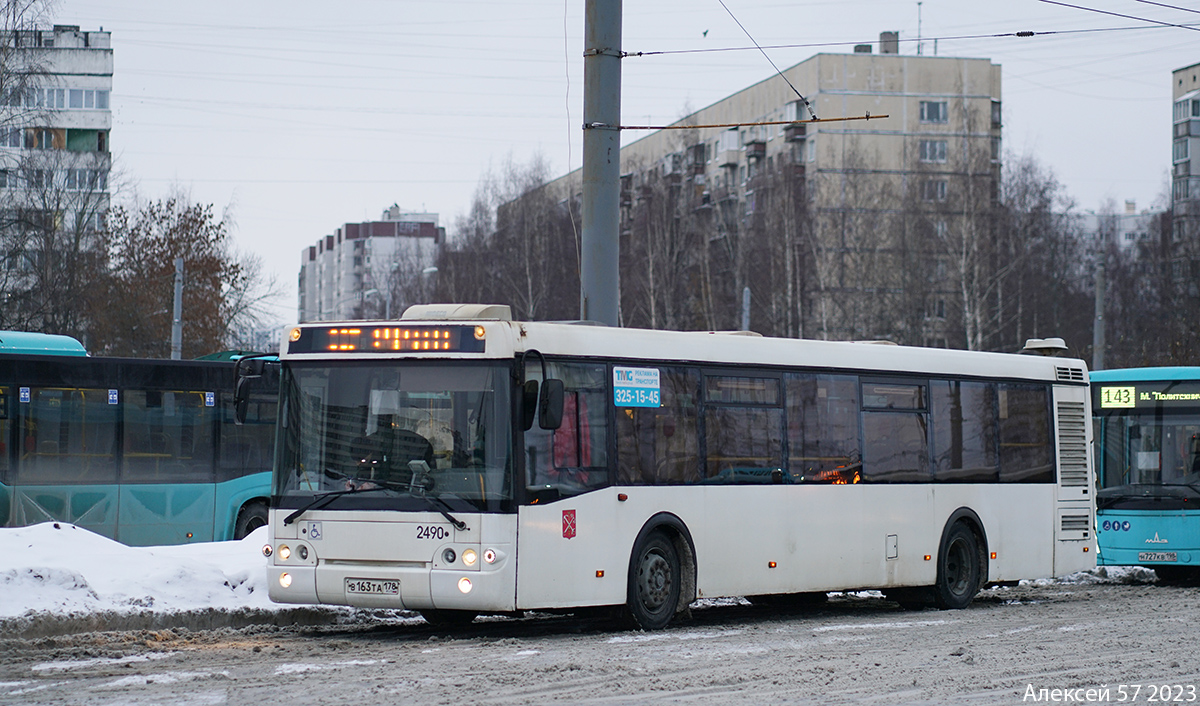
60, 568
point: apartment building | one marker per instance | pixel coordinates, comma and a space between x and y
373, 269
861, 194
55, 125
1185, 151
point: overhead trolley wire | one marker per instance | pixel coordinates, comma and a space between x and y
997, 35
1118, 14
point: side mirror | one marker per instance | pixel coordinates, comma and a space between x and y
241, 400
550, 404
529, 400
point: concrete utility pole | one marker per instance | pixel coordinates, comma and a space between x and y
177, 316
1098, 318
599, 277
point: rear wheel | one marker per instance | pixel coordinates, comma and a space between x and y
448, 618
654, 582
959, 569
252, 516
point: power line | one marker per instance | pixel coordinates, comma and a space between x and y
764, 53
999, 35
1170, 7
1117, 14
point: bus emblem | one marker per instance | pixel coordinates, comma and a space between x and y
568, 524
1156, 540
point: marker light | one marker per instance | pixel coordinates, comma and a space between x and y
449, 556
489, 555
285, 579
470, 557
464, 584
284, 552
771, 565
267, 551
993, 555
295, 334
928, 557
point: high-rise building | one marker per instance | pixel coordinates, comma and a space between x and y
55, 157
851, 216
1185, 151
370, 270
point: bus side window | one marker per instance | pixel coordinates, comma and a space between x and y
1026, 454
660, 445
70, 437
823, 444
743, 429
964, 431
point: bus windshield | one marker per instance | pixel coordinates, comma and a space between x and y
1150, 450
414, 431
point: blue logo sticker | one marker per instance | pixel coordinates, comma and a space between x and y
112, 396
1125, 525
636, 387
209, 399
1107, 525
24, 394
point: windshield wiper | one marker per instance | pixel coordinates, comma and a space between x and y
421, 482
324, 499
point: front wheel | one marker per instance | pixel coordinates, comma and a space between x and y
960, 569
654, 582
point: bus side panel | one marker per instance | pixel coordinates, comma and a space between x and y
562, 545
165, 513
92, 507
231, 495
6, 503
1018, 525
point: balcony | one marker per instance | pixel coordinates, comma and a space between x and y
795, 133
756, 150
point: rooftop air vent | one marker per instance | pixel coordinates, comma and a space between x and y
446, 312
1045, 346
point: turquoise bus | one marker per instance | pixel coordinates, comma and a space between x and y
1148, 456
145, 452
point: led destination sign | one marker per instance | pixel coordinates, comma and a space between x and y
387, 339
1147, 395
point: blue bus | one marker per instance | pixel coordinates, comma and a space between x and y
1148, 468
145, 452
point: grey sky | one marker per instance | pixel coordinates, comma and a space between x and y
304, 115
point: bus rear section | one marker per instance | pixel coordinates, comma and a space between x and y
1148, 438
463, 466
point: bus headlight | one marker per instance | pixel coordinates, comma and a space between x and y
464, 584
469, 557
285, 579
284, 552
489, 555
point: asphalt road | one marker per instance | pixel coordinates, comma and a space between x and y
1008, 647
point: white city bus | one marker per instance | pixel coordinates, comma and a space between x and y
457, 462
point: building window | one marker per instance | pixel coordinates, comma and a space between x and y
12, 137
933, 151
996, 114
933, 190
995, 149
1179, 151
934, 112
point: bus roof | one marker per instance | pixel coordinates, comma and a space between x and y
40, 344
1180, 373
507, 339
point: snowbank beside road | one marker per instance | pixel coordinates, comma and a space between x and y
59, 568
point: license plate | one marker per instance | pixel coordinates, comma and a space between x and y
1158, 556
378, 587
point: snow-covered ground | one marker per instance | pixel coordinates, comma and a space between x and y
62, 569
58, 570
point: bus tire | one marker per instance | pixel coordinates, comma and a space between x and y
448, 618
959, 569
252, 516
654, 582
